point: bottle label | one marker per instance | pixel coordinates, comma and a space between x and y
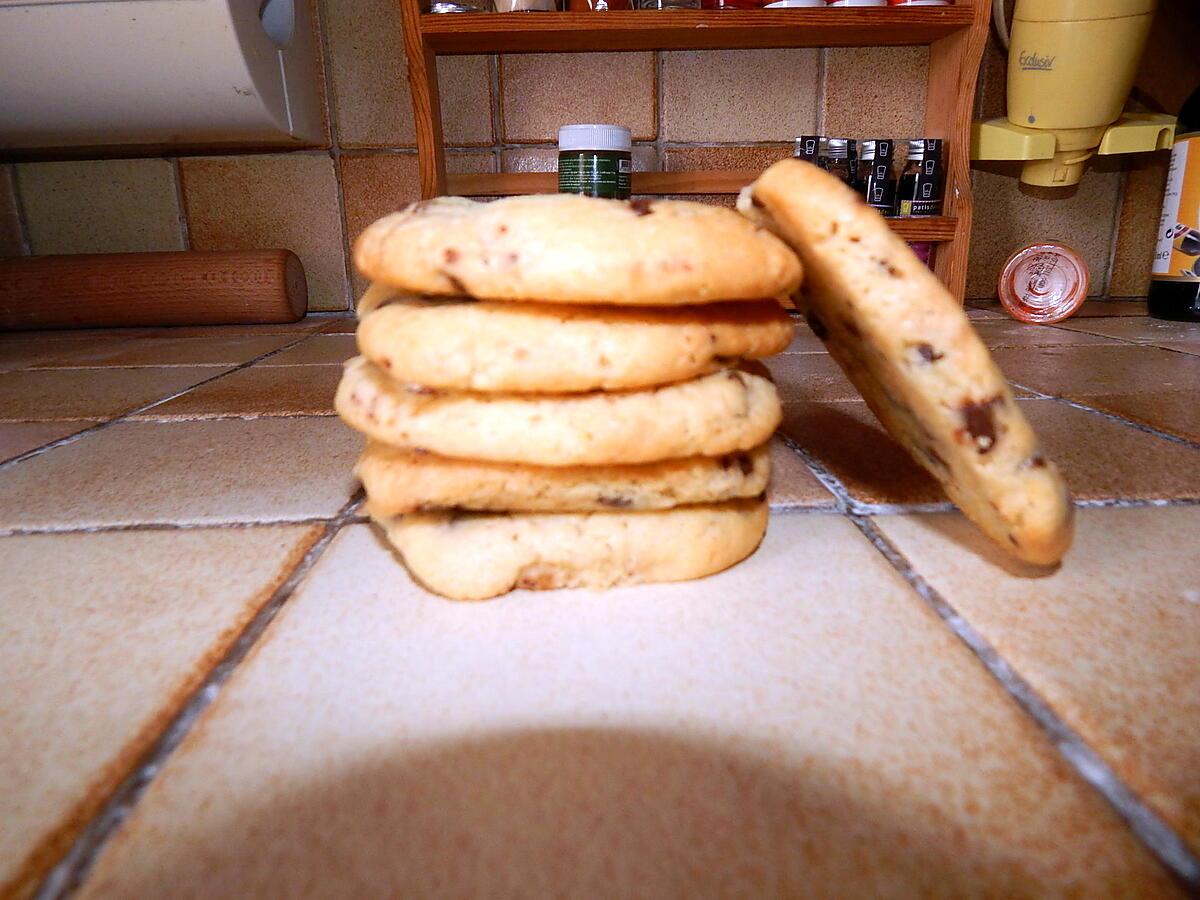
594, 174
1177, 253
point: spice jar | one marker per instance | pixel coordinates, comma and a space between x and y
837, 159
595, 160
668, 4
1043, 283
920, 190
808, 148
875, 178
526, 5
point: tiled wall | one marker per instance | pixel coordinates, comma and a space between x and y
686, 109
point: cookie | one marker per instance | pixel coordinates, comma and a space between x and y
724, 412
539, 347
570, 249
476, 556
910, 350
401, 481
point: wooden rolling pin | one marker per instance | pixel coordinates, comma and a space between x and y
109, 290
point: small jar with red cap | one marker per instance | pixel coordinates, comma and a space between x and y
1043, 283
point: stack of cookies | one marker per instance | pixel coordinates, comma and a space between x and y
557, 390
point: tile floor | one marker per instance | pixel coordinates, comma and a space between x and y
218, 682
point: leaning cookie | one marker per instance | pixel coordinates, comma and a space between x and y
468, 556
568, 249
551, 348
401, 481
911, 351
725, 412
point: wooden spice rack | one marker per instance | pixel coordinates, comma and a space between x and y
955, 35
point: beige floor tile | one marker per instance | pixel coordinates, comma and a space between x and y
52, 394
1137, 223
21, 437
1011, 333
1177, 412
149, 615
810, 376
1103, 309
26, 352
1109, 640
271, 200
370, 85
100, 206
739, 735
1142, 329
296, 329
739, 95
12, 235
257, 391
23, 338
320, 350
339, 325
604, 87
688, 159
1089, 371
1009, 216
862, 85
1101, 459
545, 159
235, 470
984, 309
169, 351
792, 484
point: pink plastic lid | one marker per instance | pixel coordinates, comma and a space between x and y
1043, 283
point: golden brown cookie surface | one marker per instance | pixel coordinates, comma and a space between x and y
912, 353
476, 556
725, 412
551, 348
569, 249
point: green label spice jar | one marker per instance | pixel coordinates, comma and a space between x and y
595, 160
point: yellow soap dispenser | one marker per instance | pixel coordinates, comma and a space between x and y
1071, 64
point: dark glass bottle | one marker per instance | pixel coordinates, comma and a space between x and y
838, 161
1175, 272
920, 190
875, 178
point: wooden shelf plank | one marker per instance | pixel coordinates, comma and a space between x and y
690, 29
934, 228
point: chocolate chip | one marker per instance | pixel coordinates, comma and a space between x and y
745, 463
641, 207
928, 353
1037, 461
754, 201
726, 462
615, 502
511, 258
817, 326
851, 328
458, 286
450, 255
501, 229
735, 375
980, 421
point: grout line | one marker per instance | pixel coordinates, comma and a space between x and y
1158, 837
1139, 426
137, 410
335, 149
19, 204
1115, 228
71, 870
831, 482
232, 524
177, 176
